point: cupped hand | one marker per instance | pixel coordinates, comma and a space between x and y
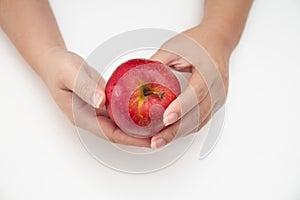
78, 90
203, 52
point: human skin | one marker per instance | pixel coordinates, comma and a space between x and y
218, 34
32, 28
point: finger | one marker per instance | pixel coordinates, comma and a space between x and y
86, 117
172, 60
101, 112
94, 74
112, 133
164, 56
188, 124
203, 123
187, 100
86, 86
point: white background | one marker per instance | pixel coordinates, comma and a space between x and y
258, 156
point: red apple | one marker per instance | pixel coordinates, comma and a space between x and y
137, 94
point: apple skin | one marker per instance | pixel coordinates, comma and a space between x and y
137, 94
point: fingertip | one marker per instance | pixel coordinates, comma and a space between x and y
158, 143
103, 100
170, 118
172, 113
99, 99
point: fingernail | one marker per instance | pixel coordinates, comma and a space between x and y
160, 142
170, 119
97, 99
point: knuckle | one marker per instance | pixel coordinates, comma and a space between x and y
202, 124
201, 90
173, 134
83, 90
205, 110
112, 137
198, 128
202, 116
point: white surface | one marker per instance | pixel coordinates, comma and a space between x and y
258, 156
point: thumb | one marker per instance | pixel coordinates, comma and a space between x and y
193, 94
86, 85
89, 90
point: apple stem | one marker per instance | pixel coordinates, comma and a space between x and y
149, 92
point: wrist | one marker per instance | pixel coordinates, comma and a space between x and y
45, 63
226, 34
215, 43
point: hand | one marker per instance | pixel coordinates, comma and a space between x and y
79, 91
203, 52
